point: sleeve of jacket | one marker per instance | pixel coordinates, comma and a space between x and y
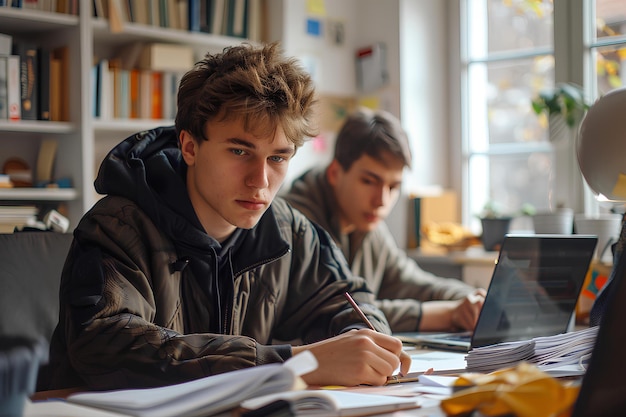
319, 277
405, 285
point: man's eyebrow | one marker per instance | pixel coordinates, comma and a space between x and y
288, 150
377, 177
371, 174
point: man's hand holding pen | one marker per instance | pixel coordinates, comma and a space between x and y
356, 357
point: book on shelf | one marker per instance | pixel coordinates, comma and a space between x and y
4, 98
155, 13
29, 80
6, 41
101, 9
156, 88
145, 94
218, 12
56, 6
236, 18
194, 15
118, 15
140, 11
45, 162
134, 85
60, 84
13, 87
43, 97
183, 14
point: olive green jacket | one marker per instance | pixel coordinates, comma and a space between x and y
399, 283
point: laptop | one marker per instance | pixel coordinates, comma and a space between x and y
533, 292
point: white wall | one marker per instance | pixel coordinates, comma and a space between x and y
415, 33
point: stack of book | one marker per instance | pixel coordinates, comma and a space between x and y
12, 217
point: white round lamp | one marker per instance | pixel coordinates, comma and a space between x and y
601, 146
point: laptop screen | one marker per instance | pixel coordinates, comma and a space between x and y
534, 288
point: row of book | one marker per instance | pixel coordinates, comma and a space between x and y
237, 18
34, 81
140, 82
57, 6
133, 93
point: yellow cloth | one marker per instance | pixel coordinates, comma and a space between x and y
523, 391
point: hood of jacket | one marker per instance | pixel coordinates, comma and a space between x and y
148, 169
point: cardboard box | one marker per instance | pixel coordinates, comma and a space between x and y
436, 207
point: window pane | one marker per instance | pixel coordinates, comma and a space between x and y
610, 68
610, 18
500, 95
508, 25
511, 181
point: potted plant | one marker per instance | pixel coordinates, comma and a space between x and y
564, 105
496, 223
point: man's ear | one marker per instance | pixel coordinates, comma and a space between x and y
332, 172
187, 147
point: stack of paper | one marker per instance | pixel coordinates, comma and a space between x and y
571, 350
565, 349
501, 355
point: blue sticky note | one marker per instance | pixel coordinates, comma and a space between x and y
313, 27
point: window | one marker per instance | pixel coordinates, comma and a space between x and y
508, 54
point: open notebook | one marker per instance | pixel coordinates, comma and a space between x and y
533, 292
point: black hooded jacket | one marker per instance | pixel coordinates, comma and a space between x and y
149, 299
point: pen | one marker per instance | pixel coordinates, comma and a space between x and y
356, 308
395, 379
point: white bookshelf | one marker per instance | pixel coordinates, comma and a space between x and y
84, 140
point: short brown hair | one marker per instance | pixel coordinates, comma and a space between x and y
373, 133
255, 83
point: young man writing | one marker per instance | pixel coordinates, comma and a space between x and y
351, 197
189, 266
